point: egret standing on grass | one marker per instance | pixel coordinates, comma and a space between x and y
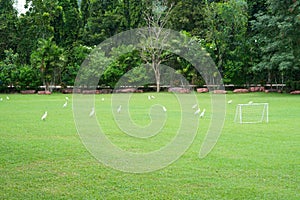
203, 113
65, 104
194, 106
7, 97
250, 102
197, 111
67, 98
44, 116
164, 108
1, 99
119, 109
149, 98
229, 102
92, 113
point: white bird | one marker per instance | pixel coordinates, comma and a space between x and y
102, 99
164, 108
202, 114
250, 102
1, 99
44, 116
229, 102
153, 97
119, 109
194, 106
149, 98
92, 113
67, 98
7, 97
65, 104
197, 111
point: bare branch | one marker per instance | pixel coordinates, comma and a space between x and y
154, 42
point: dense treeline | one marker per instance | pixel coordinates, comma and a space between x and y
251, 42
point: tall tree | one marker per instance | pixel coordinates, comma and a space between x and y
153, 53
226, 25
71, 22
188, 15
9, 69
85, 11
132, 14
49, 59
36, 23
277, 31
103, 22
8, 21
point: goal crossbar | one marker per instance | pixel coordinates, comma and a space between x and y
252, 113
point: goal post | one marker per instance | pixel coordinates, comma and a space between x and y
252, 113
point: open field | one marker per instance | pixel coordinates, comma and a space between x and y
47, 160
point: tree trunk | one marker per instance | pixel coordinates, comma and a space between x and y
157, 78
157, 85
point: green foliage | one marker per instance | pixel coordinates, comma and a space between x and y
28, 78
226, 23
277, 37
292, 85
71, 23
9, 69
8, 21
250, 41
85, 11
13, 74
103, 22
132, 13
181, 65
50, 60
189, 16
75, 57
125, 58
93, 68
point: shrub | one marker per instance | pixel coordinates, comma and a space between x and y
28, 78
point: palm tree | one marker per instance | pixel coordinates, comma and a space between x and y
49, 59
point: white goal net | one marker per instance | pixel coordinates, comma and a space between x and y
252, 113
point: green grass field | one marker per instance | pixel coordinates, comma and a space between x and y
47, 160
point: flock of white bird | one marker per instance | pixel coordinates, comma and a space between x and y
198, 111
7, 98
119, 109
64, 106
230, 102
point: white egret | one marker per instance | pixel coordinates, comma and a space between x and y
149, 98
229, 102
67, 98
7, 97
92, 113
250, 102
65, 104
164, 108
44, 116
197, 111
194, 106
153, 97
1, 99
119, 109
203, 113
102, 99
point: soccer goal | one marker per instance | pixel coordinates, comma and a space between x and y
252, 113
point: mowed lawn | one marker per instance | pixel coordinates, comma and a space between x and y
47, 160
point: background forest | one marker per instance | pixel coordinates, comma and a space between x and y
251, 42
